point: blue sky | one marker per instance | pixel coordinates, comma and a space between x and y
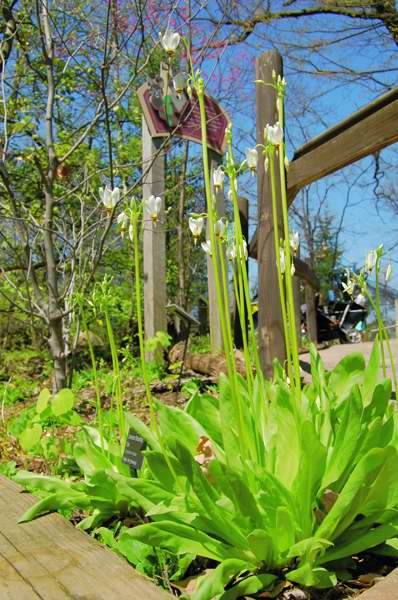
330, 84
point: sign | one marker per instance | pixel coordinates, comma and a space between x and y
135, 445
188, 122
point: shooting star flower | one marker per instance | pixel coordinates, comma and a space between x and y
153, 205
231, 251
220, 228
196, 226
218, 178
274, 133
108, 197
370, 261
252, 159
170, 40
294, 241
206, 247
123, 220
282, 260
242, 251
348, 287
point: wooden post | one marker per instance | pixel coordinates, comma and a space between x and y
297, 308
270, 324
311, 314
214, 317
244, 222
396, 318
154, 251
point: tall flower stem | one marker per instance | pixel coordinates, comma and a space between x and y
116, 383
241, 259
275, 223
288, 257
95, 381
245, 444
137, 277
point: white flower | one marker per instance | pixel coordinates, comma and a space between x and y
294, 241
266, 164
218, 178
252, 159
123, 221
292, 269
388, 273
131, 232
206, 247
370, 261
282, 259
153, 205
170, 40
348, 287
220, 228
242, 251
231, 252
196, 226
109, 198
274, 133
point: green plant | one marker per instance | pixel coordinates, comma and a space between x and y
322, 489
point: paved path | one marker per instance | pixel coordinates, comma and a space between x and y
332, 355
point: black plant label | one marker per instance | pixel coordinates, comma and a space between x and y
135, 445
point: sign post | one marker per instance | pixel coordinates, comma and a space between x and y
168, 113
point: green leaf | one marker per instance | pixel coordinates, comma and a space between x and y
62, 402
143, 430
57, 501
42, 401
181, 539
371, 373
30, 436
250, 585
312, 577
90, 458
346, 373
214, 582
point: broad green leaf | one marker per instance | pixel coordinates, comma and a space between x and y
372, 538
317, 577
205, 409
346, 373
264, 548
90, 458
62, 402
179, 424
58, 501
30, 436
212, 585
181, 539
143, 430
42, 401
250, 585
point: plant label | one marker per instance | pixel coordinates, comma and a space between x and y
135, 445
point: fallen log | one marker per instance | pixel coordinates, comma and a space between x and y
206, 364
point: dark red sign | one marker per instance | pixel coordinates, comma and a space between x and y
188, 126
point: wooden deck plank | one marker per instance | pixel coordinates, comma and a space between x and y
50, 559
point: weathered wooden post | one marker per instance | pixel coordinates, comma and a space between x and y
270, 324
244, 223
216, 344
154, 247
311, 313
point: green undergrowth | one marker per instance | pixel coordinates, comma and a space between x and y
318, 488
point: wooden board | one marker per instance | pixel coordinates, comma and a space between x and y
49, 559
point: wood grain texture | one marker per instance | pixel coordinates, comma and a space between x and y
270, 324
49, 559
343, 146
154, 247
